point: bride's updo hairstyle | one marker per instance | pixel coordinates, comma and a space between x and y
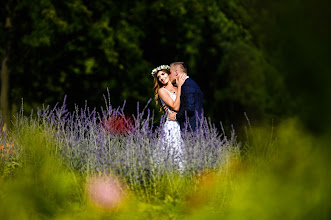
157, 85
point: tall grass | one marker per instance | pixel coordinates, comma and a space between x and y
34, 181
55, 146
89, 143
280, 172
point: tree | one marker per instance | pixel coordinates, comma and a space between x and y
75, 48
80, 48
7, 33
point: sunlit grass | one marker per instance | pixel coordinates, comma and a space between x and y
39, 185
279, 172
283, 175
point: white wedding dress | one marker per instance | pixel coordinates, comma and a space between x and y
171, 139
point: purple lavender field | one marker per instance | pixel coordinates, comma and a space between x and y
129, 147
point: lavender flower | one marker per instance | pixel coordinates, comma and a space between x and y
110, 142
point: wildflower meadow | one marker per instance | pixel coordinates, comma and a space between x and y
101, 163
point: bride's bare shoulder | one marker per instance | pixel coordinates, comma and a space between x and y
162, 91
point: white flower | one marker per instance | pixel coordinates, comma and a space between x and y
162, 67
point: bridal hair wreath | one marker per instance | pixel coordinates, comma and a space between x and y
162, 67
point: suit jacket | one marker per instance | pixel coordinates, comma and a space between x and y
191, 105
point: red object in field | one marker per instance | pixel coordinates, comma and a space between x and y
119, 124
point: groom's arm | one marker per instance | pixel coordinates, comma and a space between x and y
187, 103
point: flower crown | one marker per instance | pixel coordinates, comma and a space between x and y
162, 67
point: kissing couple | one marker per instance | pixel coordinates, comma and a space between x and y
182, 101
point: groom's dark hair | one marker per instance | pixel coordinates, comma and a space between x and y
181, 65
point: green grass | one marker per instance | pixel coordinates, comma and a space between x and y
281, 173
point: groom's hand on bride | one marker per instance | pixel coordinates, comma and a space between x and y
181, 79
172, 116
165, 108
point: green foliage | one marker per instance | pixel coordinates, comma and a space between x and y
36, 183
284, 177
247, 56
79, 49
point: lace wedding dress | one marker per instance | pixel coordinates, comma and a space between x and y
171, 139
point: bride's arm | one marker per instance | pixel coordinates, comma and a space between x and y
177, 100
164, 95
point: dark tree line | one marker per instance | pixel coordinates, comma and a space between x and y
239, 51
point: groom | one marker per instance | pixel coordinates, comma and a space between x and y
191, 106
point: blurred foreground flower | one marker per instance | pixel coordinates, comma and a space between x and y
6, 150
206, 183
105, 192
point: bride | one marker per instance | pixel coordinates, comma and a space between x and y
169, 96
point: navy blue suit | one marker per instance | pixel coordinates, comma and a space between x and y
191, 105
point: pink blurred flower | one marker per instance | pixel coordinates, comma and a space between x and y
105, 192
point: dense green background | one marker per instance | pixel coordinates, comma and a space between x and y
270, 60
